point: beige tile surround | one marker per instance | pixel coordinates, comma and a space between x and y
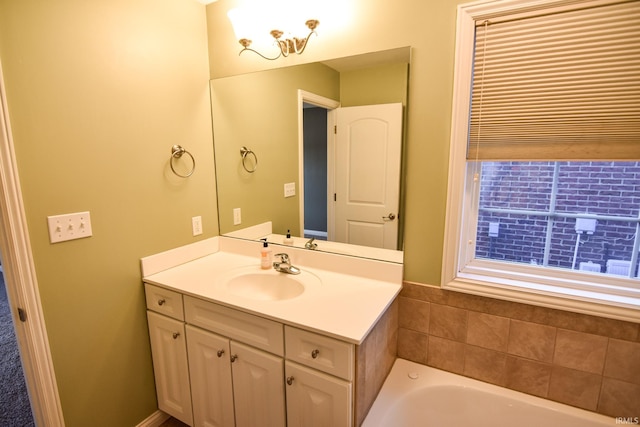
580, 360
374, 360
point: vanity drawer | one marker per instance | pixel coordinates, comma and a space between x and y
164, 301
244, 327
325, 354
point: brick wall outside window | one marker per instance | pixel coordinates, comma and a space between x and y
595, 188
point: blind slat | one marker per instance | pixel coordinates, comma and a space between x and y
551, 84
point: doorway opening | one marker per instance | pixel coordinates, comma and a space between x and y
15, 406
315, 150
315, 172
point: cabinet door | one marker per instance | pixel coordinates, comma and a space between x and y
258, 387
210, 373
315, 399
169, 352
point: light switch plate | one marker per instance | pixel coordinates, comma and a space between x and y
69, 226
290, 189
196, 225
237, 216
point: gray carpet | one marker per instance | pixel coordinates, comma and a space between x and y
15, 410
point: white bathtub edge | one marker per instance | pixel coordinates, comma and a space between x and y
398, 384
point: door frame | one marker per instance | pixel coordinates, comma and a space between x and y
21, 283
330, 105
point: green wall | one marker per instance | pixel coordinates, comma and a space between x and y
98, 92
383, 84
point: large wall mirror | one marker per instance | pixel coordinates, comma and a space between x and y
315, 150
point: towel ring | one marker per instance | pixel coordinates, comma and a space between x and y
244, 152
176, 152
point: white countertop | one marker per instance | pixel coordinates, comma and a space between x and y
351, 297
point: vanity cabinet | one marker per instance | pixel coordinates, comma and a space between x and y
258, 387
223, 372
211, 381
217, 366
171, 369
316, 399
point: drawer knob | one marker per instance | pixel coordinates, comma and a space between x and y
176, 335
234, 357
161, 301
220, 353
315, 353
290, 380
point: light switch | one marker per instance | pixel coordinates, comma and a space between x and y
237, 216
290, 189
196, 225
69, 226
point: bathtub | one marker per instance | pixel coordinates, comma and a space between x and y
416, 395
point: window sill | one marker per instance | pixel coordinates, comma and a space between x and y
562, 298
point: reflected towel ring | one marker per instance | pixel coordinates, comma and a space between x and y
176, 152
244, 152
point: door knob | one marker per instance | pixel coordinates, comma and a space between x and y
389, 217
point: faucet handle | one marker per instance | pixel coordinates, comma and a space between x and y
284, 258
310, 244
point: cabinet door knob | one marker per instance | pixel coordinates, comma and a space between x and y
161, 301
176, 335
315, 353
290, 380
234, 357
220, 353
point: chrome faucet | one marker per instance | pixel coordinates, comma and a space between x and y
310, 244
284, 266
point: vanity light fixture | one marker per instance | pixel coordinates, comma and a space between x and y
287, 46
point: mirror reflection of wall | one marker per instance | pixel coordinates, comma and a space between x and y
259, 111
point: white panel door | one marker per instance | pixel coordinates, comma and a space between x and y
211, 383
170, 366
315, 399
258, 387
367, 171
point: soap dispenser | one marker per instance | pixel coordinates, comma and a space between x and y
288, 240
265, 255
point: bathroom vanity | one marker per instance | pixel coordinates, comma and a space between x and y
234, 345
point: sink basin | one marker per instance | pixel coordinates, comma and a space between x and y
267, 285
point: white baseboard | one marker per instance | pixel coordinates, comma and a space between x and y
154, 420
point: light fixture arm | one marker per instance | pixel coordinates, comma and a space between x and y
286, 46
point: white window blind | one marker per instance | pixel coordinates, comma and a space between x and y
560, 86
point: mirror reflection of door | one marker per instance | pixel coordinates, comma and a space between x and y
360, 174
367, 171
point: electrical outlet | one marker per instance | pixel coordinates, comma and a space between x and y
69, 226
196, 225
237, 216
290, 189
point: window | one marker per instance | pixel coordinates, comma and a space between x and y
544, 186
